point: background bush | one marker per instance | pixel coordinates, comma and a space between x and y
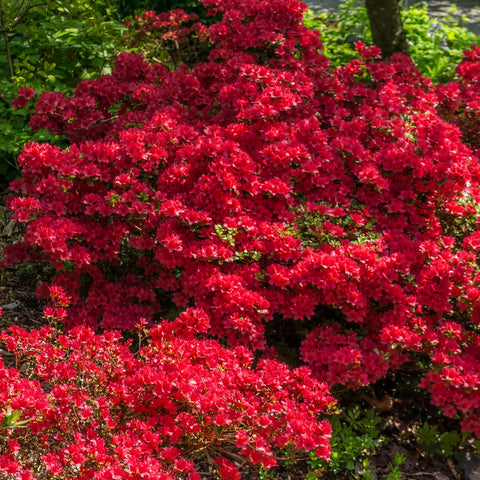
436, 45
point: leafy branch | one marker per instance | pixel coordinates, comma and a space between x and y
7, 27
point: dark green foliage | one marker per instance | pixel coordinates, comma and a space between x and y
355, 435
64, 42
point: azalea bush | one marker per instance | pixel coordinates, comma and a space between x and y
455, 374
173, 38
91, 407
259, 185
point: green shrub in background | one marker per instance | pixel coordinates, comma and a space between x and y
356, 433
62, 42
436, 45
49, 47
340, 31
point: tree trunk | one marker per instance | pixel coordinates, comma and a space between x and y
386, 26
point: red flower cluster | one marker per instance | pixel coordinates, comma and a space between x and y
24, 95
96, 410
175, 25
260, 183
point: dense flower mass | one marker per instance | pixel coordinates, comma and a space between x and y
96, 408
260, 184
24, 95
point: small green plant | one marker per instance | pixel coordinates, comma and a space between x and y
11, 420
355, 435
394, 467
265, 474
439, 445
365, 473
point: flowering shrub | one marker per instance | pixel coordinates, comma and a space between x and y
459, 100
172, 38
261, 184
96, 410
23, 96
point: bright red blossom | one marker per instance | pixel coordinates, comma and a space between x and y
259, 184
93, 407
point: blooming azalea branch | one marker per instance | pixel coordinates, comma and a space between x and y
91, 408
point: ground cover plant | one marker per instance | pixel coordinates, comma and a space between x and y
252, 187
